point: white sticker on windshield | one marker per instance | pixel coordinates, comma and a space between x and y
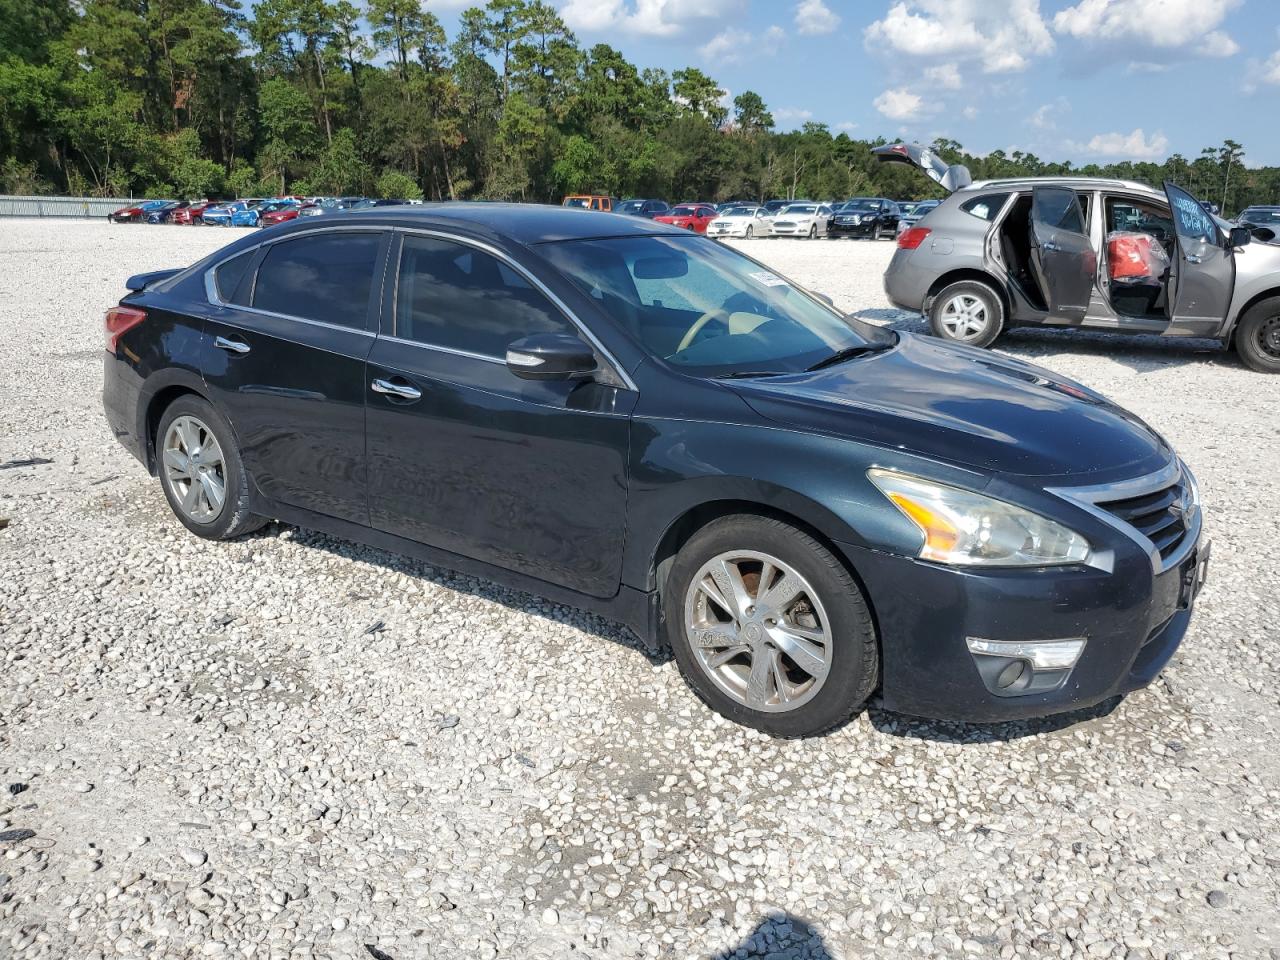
768, 279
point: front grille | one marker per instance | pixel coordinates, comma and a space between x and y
1161, 516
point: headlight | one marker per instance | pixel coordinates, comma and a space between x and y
965, 528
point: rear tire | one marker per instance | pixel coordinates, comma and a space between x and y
201, 472
969, 312
1257, 336
800, 611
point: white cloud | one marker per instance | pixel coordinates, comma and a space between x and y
650, 18
814, 17
1041, 119
775, 34
1146, 66
792, 115
1271, 69
999, 36
727, 46
848, 126
1130, 146
1164, 24
899, 104
945, 75
970, 112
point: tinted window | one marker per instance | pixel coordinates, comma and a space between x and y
227, 277
327, 277
454, 296
986, 206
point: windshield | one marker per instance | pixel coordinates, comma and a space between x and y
683, 211
631, 206
860, 205
706, 308
740, 212
801, 208
1261, 215
577, 202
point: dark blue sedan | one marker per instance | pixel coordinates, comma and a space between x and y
629, 418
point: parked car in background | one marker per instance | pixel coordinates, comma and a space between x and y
164, 214
612, 413
331, 205
742, 221
247, 216
801, 220
913, 213
1264, 222
643, 208
192, 212
1109, 255
136, 213
872, 217
690, 216
589, 201
365, 202
220, 215
282, 214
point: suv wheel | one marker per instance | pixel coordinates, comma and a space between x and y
968, 311
1257, 337
201, 472
769, 628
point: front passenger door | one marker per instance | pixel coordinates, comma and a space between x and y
1205, 271
467, 457
1061, 252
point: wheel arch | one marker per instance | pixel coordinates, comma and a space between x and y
156, 398
1269, 294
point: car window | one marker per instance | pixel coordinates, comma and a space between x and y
327, 278
984, 207
454, 296
228, 274
1133, 216
706, 308
1058, 208
1192, 222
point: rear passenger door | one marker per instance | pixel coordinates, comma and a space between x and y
292, 324
467, 457
1061, 253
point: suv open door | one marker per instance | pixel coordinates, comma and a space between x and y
950, 178
1062, 256
1204, 274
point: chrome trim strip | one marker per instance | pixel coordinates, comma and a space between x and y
435, 348
612, 361
1088, 498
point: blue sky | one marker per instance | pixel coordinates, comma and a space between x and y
1085, 80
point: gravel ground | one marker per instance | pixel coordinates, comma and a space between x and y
291, 746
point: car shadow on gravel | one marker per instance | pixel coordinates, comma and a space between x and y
1141, 353
779, 936
516, 600
945, 731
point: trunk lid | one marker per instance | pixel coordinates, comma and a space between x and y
950, 178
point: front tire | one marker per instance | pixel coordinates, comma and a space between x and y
1257, 337
769, 628
969, 312
748, 231
201, 472
813, 231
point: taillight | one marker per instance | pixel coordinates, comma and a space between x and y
911, 238
119, 321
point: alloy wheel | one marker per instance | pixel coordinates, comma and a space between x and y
194, 469
758, 630
965, 317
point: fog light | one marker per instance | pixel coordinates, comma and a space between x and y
1011, 668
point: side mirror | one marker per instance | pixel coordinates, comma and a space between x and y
550, 356
1239, 236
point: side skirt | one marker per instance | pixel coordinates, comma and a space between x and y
638, 610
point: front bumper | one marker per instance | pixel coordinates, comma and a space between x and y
1132, 620
851, 229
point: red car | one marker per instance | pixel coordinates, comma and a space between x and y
137, 212
691, 216
283, 214
191, 214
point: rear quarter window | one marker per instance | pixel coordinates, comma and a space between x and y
986, 206
228, 278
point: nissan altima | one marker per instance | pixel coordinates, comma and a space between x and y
626, 417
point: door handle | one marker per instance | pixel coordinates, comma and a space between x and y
402, 390
1050, 245
235, 346
1192, 258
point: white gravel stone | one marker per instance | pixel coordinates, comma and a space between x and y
229, 699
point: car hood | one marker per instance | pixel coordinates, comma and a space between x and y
964, 406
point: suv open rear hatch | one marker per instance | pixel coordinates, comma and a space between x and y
950, 178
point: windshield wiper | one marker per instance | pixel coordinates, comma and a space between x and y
750, 374
848, 353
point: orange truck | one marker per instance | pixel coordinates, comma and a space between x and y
589, 201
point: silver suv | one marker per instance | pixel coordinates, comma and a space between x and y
1035, 251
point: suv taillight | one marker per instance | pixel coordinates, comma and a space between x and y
911, 238
119, 321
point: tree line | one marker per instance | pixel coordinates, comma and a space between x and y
194, 98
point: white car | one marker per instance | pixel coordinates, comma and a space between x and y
802, 220
744, 221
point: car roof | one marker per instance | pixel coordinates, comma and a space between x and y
522, 222
1075, 182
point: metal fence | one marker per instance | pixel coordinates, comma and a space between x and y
81, 207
